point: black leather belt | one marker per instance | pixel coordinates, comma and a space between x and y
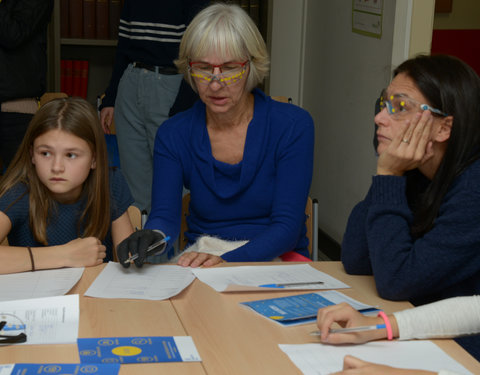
169, 70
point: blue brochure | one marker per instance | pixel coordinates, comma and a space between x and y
137, 349
61, 368
302, 309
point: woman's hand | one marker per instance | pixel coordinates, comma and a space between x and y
346, 316
83, 252
355, 366
409, 149
196, 259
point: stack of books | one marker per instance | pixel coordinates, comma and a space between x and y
74, 77
90, 19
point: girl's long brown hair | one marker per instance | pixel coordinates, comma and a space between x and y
75, 116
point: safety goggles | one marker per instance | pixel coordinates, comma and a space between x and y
230, 72
12, 329
399, 105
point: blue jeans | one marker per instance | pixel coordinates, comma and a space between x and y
143, 101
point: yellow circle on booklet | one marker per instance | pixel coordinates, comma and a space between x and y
276, 317
126, 350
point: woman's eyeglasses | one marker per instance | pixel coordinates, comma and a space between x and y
399, 105
230, 72
12, 329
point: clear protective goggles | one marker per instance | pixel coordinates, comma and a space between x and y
399, 105
12, 329
230, 72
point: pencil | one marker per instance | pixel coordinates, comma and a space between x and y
351, 329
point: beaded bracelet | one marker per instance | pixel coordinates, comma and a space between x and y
388, 326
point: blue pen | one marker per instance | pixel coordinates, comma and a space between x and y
283, 285
351, 329
150, 248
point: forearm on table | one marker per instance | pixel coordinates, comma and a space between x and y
443, 319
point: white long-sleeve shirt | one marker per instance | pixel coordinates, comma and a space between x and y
448, 318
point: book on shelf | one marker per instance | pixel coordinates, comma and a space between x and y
101, 19
66, 77
64, 24
75, 18
114, 9
74, 77
89, 19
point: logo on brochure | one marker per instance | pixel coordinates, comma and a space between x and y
146, 359
110, 360
125, 351
141, 341
89, 369
106, 342
52, 369
88, 352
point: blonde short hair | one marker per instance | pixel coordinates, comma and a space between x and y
226, 30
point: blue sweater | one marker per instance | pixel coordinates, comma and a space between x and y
261, 199
444, 262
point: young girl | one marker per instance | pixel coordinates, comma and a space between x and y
59, 204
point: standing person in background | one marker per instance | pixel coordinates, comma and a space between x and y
145, 83
23, 68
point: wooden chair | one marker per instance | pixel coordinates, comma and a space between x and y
45, 98
311, 210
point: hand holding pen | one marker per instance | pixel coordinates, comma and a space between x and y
139, 245
357, 328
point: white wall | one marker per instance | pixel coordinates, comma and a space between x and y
339, 76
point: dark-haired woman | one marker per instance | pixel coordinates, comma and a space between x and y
418, 229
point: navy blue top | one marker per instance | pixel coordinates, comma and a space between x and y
443, 263
261, 199
63, 226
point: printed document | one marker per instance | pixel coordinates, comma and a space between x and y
48, 320
45, 283
319, 359
256, 278
150, 282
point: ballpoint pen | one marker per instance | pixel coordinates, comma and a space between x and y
283, 285
149, 249
351, 329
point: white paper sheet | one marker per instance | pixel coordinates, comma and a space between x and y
319, 359
49, 320
245, 278
151, 282
45, 283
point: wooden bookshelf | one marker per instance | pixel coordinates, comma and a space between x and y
99, 52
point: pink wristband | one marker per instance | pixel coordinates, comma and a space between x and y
387, 324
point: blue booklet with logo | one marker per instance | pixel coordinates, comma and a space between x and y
59, 368
302, 309
148, 349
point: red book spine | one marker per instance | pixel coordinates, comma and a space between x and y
77, 78
68, 77
101, 19
75, 18
84, 79
64, 25
62, 75
89, 19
